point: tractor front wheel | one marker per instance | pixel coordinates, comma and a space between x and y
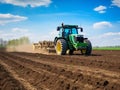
61, 47
88, 49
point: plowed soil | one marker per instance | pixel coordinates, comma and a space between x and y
33, 71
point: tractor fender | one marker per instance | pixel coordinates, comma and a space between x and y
57, 38
85, 38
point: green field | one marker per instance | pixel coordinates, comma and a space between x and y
106, 48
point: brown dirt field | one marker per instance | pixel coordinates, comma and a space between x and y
34, 71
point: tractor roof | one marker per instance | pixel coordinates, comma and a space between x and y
69, 26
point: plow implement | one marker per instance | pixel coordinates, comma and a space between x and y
44, 47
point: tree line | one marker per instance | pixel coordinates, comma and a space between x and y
20, 41
14, 42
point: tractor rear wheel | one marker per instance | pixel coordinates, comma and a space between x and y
61, 47
88, 50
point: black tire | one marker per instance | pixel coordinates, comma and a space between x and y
89, 47
71, 52
61, 47
88, 50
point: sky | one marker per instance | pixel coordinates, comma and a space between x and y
38, 19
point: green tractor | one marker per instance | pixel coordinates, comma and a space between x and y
69, 41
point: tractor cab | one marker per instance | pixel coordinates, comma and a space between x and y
66, 30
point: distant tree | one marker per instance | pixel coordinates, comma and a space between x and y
3, 43
20, 41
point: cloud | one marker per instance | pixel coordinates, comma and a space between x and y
106, 39
43, 36
8, 18
100, 9
1, 32
51, 35
102, 25
54, 33
19, 30
25, 3
111, 34
116, 3
15, 33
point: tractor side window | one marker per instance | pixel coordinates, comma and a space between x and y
60, 32
74, 31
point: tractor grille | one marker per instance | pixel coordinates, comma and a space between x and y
79, 38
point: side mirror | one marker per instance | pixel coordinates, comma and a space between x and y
58, 28
81, 29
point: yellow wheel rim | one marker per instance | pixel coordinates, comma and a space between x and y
58, 47
83, 51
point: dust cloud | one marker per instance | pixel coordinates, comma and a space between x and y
25, 48
21, 48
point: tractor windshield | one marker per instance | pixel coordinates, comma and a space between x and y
74, 31
71, 31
